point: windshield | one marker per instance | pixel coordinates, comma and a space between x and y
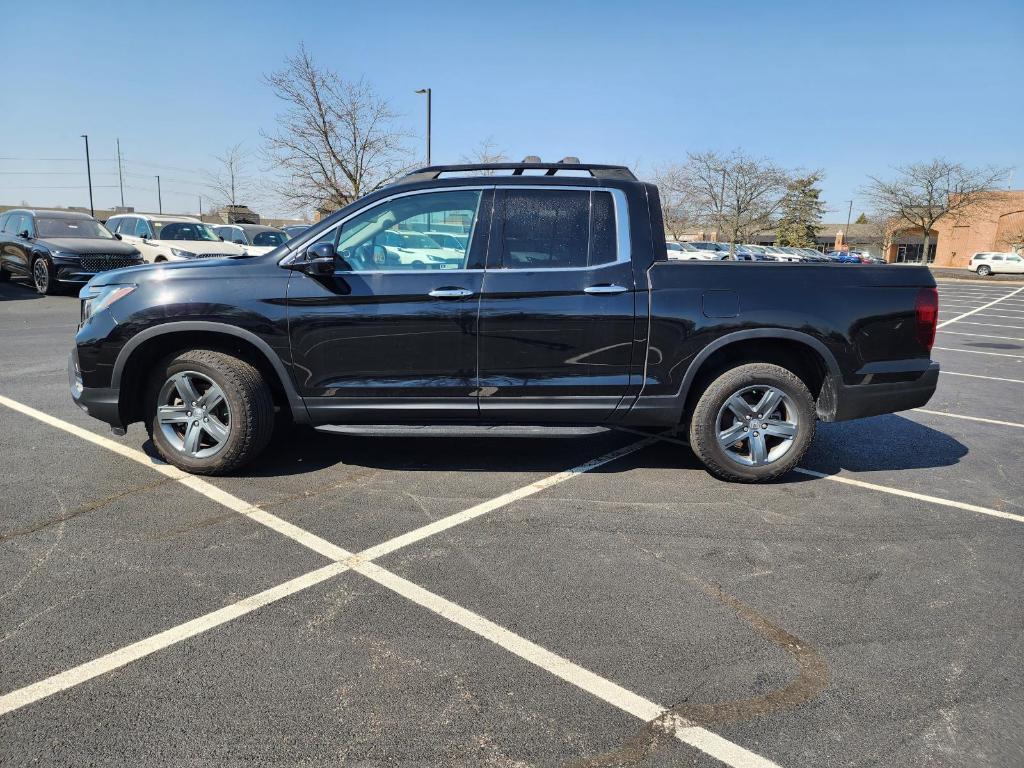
61, 227
270, 239
182, 230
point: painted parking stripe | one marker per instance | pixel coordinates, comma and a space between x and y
970, 418
689, 733
980, 352
597, 686
875, 487
124, 656
979, 376
979, 309
982, 335
992, 325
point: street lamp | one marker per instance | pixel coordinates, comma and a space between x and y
159, 197
428, 92
88, 170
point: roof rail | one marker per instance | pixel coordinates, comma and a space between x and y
619, 172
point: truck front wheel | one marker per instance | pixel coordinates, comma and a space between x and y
753, 423
209, 412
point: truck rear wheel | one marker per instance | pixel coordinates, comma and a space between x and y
753, 423
209, 412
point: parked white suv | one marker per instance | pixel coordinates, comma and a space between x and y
256, 239
171, 238
990, 262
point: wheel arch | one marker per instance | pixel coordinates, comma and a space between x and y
145, 348
804, 355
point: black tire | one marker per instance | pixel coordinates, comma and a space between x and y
711, 409
248, 401
984, 270
43, 277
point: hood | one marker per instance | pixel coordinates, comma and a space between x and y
168, 270
88, 245
202, 246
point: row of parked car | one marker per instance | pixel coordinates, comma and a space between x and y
707, 250
65, 248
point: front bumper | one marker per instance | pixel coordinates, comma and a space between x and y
842, 402
100, 403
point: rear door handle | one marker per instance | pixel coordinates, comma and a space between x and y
605, 289
450, 293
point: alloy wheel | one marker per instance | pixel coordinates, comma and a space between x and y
757, 425
41, 275
193, 414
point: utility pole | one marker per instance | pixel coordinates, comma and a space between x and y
428, 92
846, 234
88, 170
200, 207
159, 198
120, 172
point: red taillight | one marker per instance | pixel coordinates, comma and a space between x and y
927, 310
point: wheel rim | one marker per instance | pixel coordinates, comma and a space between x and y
757, 425
193, 414
41, 275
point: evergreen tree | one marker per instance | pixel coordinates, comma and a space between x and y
862, 219
802, 210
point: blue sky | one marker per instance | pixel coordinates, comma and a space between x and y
850, 88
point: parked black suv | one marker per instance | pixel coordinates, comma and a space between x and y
57, 248
561, 307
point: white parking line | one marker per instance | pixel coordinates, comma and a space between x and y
875, 487
696, 736
1018, 317
625, 700
979, 309
124, 656
978, 376
981, 335
979, 352
993, 325
970, 418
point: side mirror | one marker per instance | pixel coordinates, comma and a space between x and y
24, 235
222, 239
319, 260
117, 236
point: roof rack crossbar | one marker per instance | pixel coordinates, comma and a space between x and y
597, 171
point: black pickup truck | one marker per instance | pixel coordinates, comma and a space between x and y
553, 303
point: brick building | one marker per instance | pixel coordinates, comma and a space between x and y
996, 226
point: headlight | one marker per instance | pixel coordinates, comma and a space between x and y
182, 254
97, 298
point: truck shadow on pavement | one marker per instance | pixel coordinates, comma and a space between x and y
889, 442
302, 450
880, 443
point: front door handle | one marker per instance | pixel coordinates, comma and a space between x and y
450, 293
600, 289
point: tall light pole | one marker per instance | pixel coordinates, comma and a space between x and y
159, 198
428, 92
88, 171
846, 235
120, 172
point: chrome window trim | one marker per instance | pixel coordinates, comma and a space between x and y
623, 243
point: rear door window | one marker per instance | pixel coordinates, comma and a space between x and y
557, 229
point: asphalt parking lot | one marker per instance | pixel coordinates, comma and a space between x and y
515, 598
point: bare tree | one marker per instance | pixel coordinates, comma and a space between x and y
740, 193
922, 193
336, 140
229, 183
676, 201
485, 152
882, 229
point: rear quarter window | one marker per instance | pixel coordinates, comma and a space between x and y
557, 229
